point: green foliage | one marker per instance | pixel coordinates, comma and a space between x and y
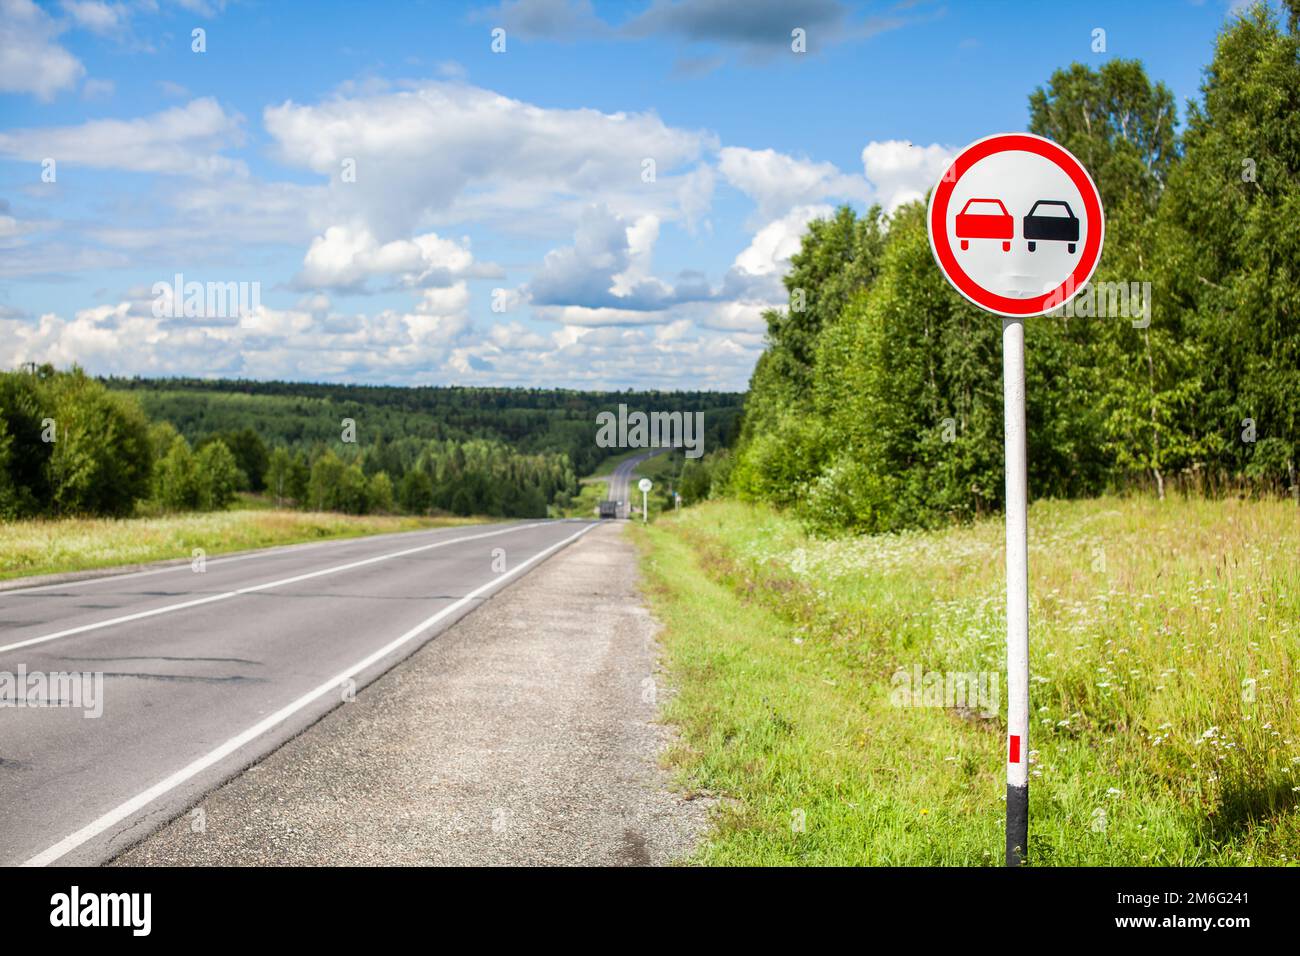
395, 423
279, 475
838, 257
176, 480
100, 460
217, 476
416, 493
379, 493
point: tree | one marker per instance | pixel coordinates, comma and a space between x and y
279, 474
323, 488
379, 493
216, 476
416, 492
176, 483
1228, 221
1119, 124
251, 455
101, 458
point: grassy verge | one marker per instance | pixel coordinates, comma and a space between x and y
75, 544
1165, 697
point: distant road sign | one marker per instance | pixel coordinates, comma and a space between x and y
645, 484
1001, 182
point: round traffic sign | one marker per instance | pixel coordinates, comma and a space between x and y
645, 484
1016, 224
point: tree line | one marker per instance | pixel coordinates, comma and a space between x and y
74, 445
877, 404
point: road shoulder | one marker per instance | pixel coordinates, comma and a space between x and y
525, 734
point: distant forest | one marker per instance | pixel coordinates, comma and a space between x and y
529, 420
71, 444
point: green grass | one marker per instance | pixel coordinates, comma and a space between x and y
78, 544
1165, 698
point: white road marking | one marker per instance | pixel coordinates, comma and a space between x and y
166, 609
143, 799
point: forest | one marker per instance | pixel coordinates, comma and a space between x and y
71, 444
877, 404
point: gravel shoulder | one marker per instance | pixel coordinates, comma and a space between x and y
526, 734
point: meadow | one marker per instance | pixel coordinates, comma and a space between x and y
1165, 695
49, 546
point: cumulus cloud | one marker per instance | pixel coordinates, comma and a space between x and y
96, 16
31, 61
452, 152
304, 342
777, 182
347, 257
900, 171
772, 246
184, 140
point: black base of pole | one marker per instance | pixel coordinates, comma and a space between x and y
1017, 824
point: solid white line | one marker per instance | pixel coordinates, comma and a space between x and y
166, 609
143, 799
219, 561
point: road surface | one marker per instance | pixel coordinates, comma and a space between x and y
204, 673
526, 734
620, 486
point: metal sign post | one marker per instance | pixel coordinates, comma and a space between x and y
1013, 398
1016, 227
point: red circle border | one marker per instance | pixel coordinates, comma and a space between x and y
938, 223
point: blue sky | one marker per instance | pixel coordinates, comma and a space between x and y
513, 178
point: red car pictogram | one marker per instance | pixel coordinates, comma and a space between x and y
985, 222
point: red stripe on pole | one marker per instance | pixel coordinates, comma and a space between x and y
1014, 756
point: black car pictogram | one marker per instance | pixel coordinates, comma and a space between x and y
1053, 228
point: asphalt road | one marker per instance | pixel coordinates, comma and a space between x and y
620, 486
204, 673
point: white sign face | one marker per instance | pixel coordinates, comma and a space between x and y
645, 484
1016, 224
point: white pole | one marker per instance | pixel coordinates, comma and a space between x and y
644, 507
1013, 396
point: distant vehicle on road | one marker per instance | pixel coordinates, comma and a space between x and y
609, 509
1052, 227
988, 219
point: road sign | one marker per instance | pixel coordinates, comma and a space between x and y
645, 484
1016, 226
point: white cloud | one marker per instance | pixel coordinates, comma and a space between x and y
452, 152
773, 245
777, 182
346, 257
95, 89
185, 140
901, 171
30, 59
96, 16
303, 342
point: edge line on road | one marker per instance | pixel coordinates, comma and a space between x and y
146, 797
252, 589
